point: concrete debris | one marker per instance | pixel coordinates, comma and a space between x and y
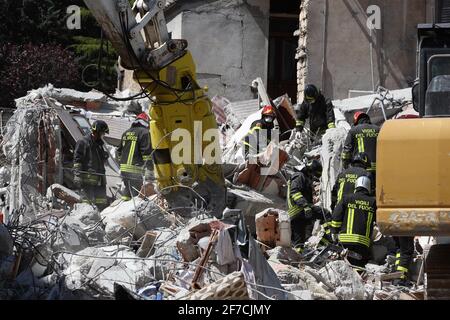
231, 287
86, 218
55, 245
346, 281
166, 255
59, 193
186, 246
147, 244
300, 295
224, 249
252, 202
273, 228
330, 153
376, 269
133, 218
299, 279
286, 255
71, 238
364, 102
101, 267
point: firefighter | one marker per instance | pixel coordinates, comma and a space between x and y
353, 221
89, 165
362, 138
317, 109
345, 182
134, 154
301, 210
404, 258
261, 131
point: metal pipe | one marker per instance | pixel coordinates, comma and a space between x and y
371, 61
325, 33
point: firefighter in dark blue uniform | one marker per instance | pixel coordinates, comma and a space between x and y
317, 109
89, 165
134, 155
362, 138
353, 221
345, 182
301, 210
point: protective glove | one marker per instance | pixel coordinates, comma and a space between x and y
308, 213
77, 181
331, 125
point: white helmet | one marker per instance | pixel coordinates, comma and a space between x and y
363, 182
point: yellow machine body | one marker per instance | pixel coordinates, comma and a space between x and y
191, 111
413, 177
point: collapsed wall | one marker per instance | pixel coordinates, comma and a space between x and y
29, 129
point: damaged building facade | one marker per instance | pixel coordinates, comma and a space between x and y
350, 47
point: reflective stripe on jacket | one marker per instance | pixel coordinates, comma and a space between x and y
362, 138
354, 217
135, 150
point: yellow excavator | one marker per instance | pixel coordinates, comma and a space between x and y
180, 111
413, 161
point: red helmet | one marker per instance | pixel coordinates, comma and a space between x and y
143, 116
268, 111
358, 116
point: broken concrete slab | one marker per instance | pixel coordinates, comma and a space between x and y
346, 281
67, 196
364, 102
5, 176
376, 269
134, 217
186, 246
199, 228
330, 153
369, 291
86, 214
299, 279
252, 202
300, 295
147, 244
70, 238
166, 254
224, 249
94, 270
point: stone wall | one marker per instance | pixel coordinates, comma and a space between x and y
335, 45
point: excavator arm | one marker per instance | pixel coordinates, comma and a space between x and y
181, 116
139, 33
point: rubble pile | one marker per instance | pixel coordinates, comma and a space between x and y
54, 246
